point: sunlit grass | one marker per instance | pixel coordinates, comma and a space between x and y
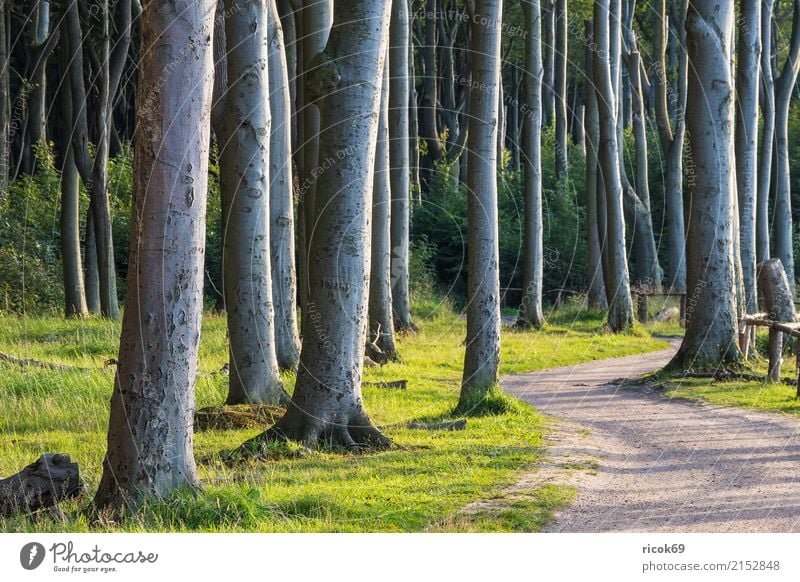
422, 486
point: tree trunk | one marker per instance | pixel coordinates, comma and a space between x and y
42, 484
765, 169
400, 163
784, 86
220, 77
596, 298
152, 407
672, 142
316, 18
381, 327
561, 90
548, 61
747, 79
428, 127
778, 298
286, 14
711, 315
345, 84
91, 280
70, 222
281, 201
482, 358
245, 186
5, 98
530, 310
620, 309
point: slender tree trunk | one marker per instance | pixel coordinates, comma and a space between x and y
220, 75
5, 98
413, 121
765, 182
596, 289
482, 358
245, 186
784, 86
381, 327
152, 407
561, 89
91, 278
400, 163
327, 404
70, 222
281, 201
286, 14
747, 79
548, 61
37, 115
530, 310
428, 126
672, 142
711, 314
620, 310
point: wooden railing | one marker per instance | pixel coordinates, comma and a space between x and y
777, 329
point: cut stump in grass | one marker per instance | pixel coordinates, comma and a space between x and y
237, 416
41, 485
460, 424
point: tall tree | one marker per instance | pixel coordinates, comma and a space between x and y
400, 83
150, 427
672, 135
747, 84
482, 357
548, 61
530, 311
562, 44
766, 160
93, 169
5, 99
594, 195
345, 84
245, 185
381, 326
784, 86
711, 316
281, 201
620, 304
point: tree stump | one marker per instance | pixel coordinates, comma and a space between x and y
40, 485
778, 299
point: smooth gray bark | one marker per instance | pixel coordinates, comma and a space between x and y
669, 99
150, 431
400, 98
281, 201
327, 406
530, 310
782, 218
711, 314
70, 223
381, 327
560, 82
767, 142
747, 81
5, 114
245, 186
596, 295
548, 61
620, 304
482, 357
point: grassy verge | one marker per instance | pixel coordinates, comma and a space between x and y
423, 486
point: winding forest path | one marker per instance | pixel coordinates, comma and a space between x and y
643, 462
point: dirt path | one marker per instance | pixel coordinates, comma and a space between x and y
657, 464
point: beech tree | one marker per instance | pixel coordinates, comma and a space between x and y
482, 357
281, 199
767, 141
152, 406
530, 311
784, 83
245, 185
617, 283
747, 87
326, 405
560, 82
711, 316
400, 95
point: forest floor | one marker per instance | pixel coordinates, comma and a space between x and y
422, 485
645, 458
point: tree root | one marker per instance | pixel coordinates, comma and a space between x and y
31, 363
726, 375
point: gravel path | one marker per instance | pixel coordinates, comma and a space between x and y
643, 462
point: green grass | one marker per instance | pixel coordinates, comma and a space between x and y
420, 487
